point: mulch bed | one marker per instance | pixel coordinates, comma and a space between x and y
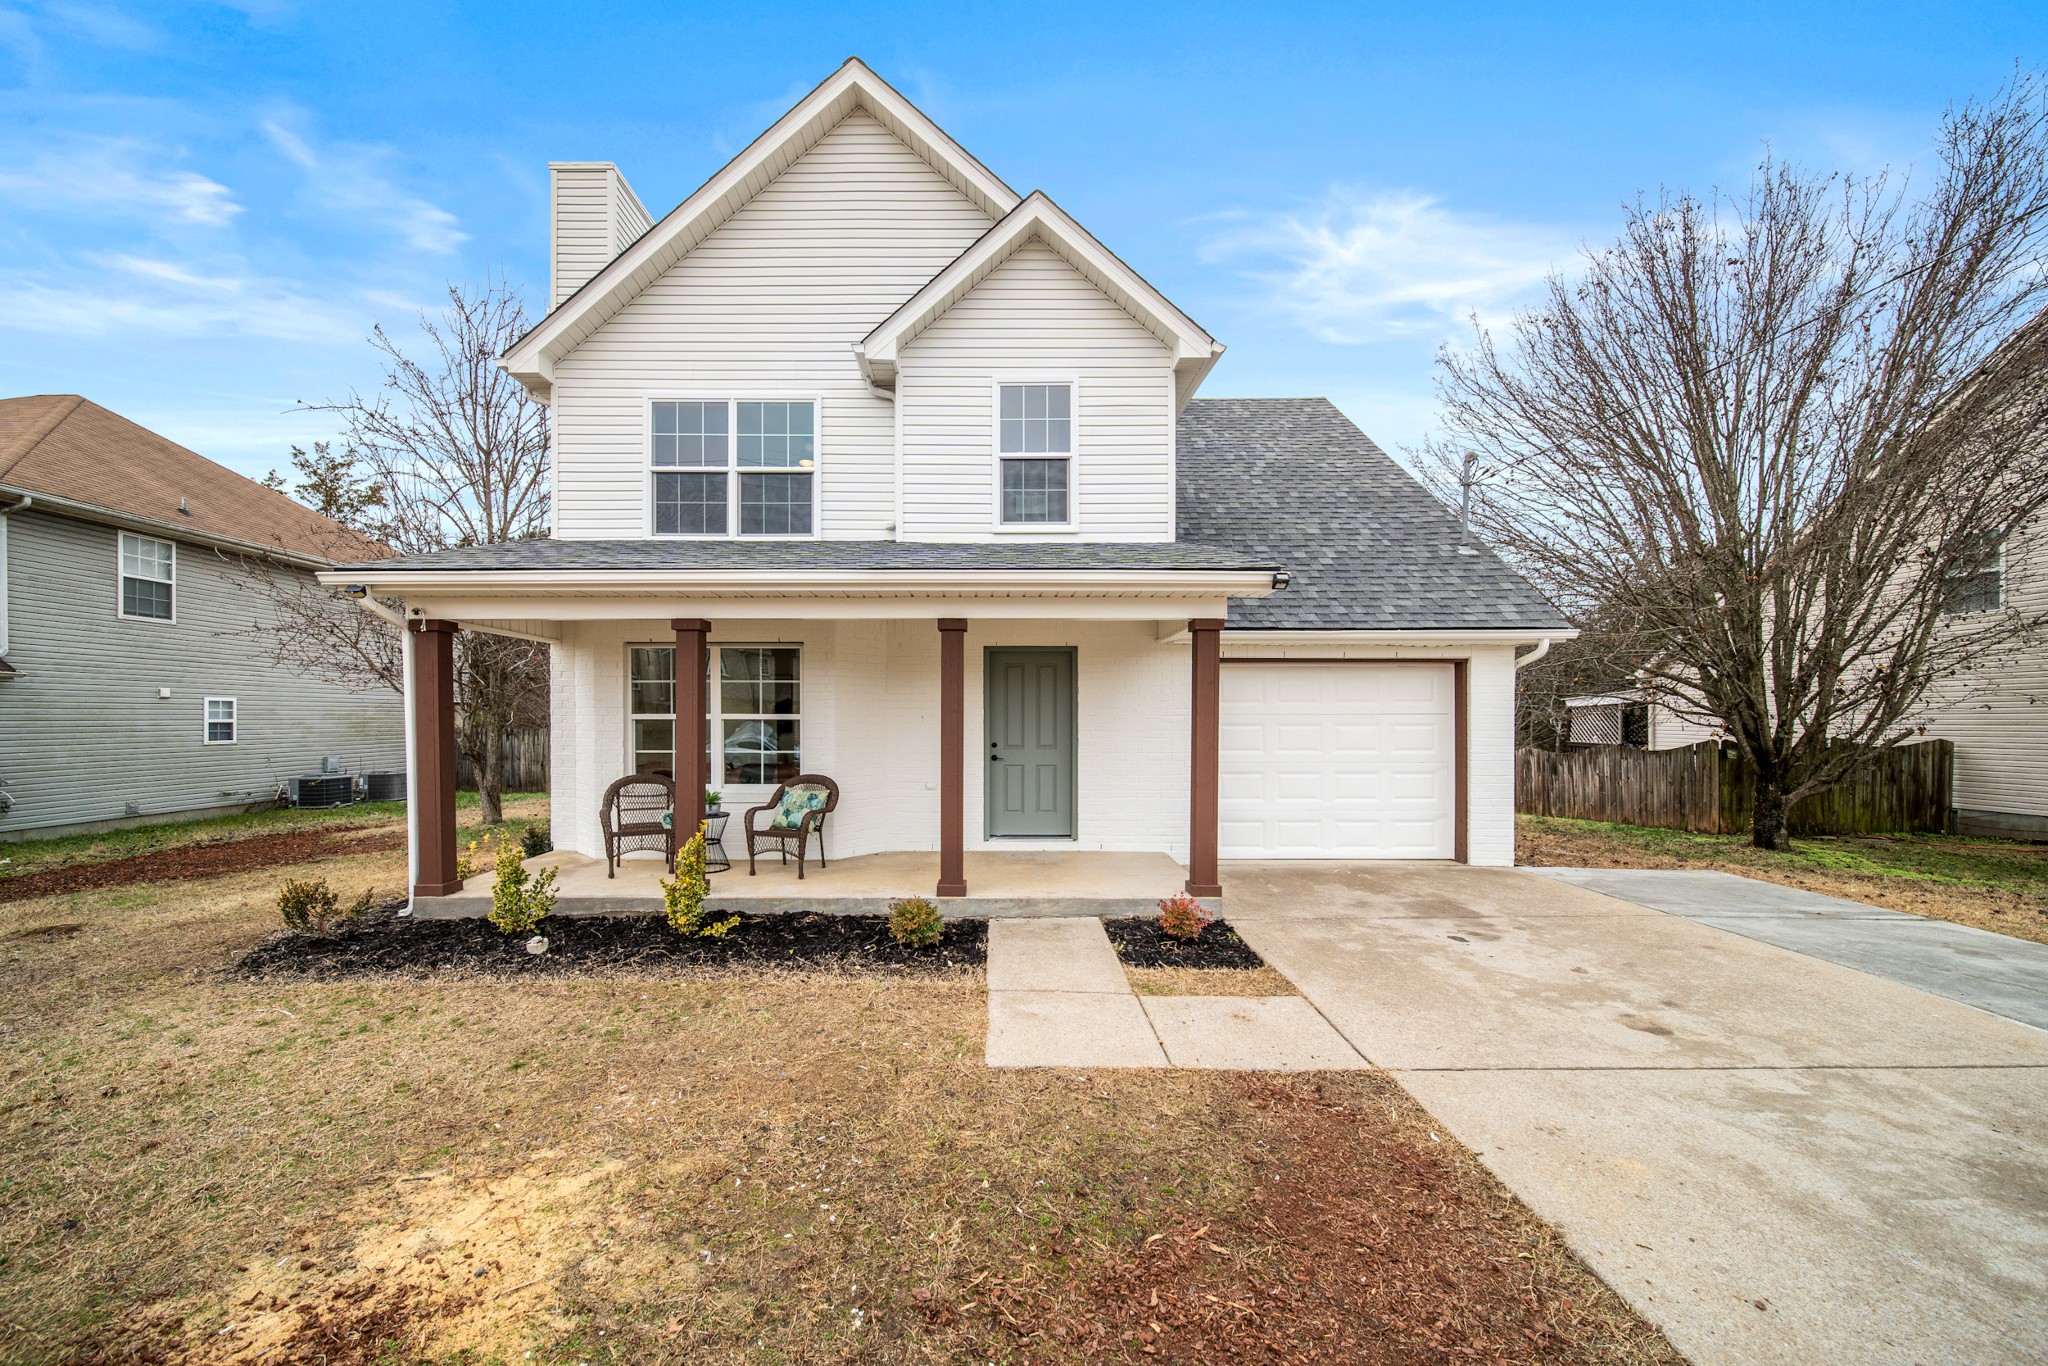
383, 943
202, 860
1142, 944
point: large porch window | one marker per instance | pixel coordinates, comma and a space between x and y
756, 712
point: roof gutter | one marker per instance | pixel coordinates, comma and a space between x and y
1235, 583
184, 531
1542, 648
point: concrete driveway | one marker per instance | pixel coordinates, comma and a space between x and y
1773, 1157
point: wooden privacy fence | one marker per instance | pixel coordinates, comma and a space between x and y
1710, 789
523, 759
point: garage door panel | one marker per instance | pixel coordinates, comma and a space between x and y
1337, 761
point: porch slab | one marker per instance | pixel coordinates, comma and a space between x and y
1000, 885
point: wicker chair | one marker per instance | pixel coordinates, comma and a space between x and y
632, 814
781, 840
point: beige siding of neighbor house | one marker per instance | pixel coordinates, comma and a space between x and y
1669, 730
769, 306
1998, 715
83, 732
1036, 318
595, 215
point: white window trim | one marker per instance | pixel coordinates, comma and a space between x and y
715, 728
731, 400
1073, 457
1997, 566
120, 573
206, 719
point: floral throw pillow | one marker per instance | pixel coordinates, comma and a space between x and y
796, 803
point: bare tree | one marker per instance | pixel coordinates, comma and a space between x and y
448, 451
1769, 435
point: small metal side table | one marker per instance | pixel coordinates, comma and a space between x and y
715, 860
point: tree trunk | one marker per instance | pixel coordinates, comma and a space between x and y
490, 773
1770, 821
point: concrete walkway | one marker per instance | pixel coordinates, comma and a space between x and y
1775, 1158
1993, 972
1058, 997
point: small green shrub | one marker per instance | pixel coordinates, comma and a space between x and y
535, 840
684, 894
916, 922
520, 900
310, 906
1181, 916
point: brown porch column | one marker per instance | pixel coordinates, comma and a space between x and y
433, 719
952, 755
1204, 756
693, 662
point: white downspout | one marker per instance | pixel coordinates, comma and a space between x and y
412, 806
1542, 649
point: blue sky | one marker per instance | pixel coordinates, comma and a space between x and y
203, 209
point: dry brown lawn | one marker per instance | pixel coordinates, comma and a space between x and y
777, 1167
1208, 982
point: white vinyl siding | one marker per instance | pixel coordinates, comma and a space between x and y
767, 307
1034, 317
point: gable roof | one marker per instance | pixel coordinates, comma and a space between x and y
852, 87
1038, 219
82, 459
1293, 482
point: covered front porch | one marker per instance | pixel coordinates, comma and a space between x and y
925, 696
1003, 884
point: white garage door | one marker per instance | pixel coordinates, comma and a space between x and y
1338, 761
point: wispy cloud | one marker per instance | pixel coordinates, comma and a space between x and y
354, 180
122, 295
115, 175
1373, 267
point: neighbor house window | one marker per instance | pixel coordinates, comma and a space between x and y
1035, 451
147, 570
220, 720
1976, 581
734, 467
755, 712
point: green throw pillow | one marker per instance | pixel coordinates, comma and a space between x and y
796, 803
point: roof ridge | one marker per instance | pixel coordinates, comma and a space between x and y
35, 435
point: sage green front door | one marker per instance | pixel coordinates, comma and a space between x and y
1030, 749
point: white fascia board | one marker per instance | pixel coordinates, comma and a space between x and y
771, 584
853, 86
1475, 636
480, 611
167, 530
1038, 218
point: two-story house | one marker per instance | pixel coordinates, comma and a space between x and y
867, 465
137, 681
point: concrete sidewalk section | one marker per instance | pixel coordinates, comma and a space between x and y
1058, 997
1993, 972
1774, 1157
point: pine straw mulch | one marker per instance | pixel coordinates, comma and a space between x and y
384, 943
203, 860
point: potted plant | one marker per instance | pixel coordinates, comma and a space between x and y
712, 799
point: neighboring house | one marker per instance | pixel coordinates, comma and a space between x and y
135, 685
1997, 716
912, 467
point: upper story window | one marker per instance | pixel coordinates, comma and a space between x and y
1034, 454
725, 467
148, 571
1976, 581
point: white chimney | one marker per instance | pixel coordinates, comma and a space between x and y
593, 215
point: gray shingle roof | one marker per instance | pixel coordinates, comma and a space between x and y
1292, 480
732, 554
